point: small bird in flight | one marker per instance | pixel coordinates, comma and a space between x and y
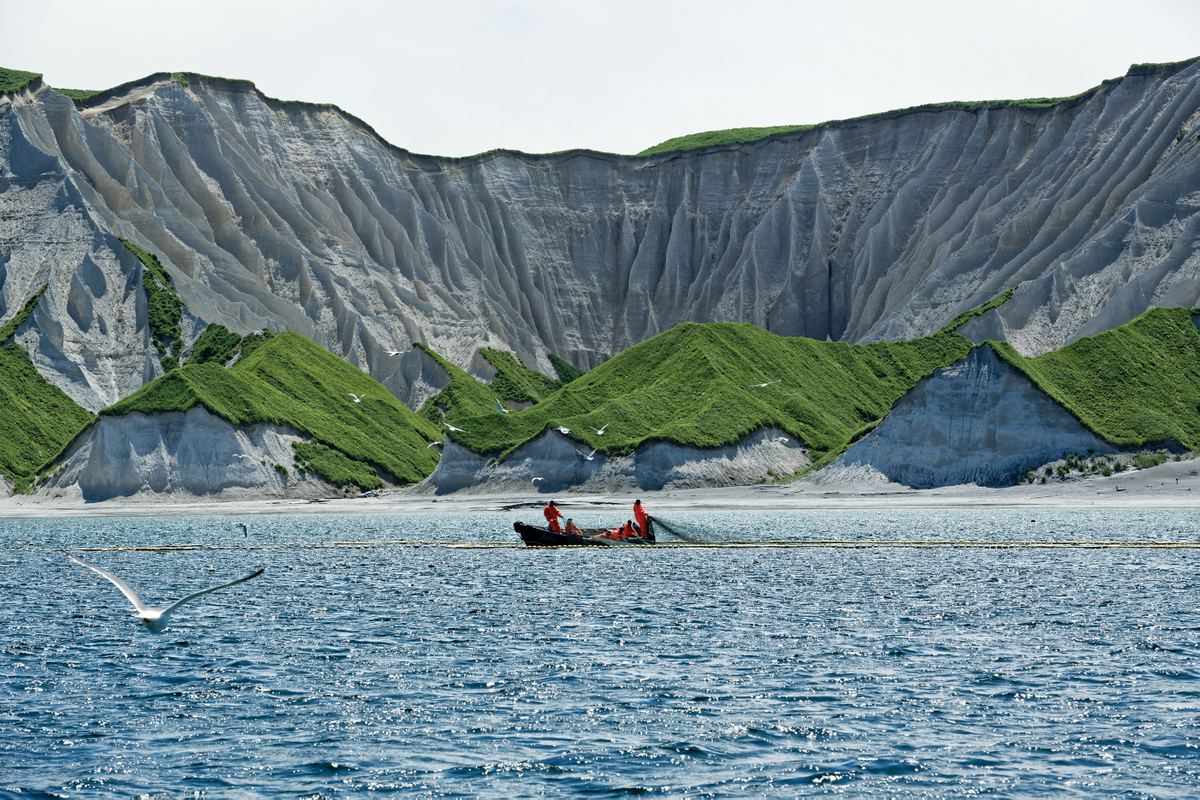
357, 398
240, 455
600, 431
245, 529
768, 383
563, 431
451, 427
155, 619
434, 444
393, 352
503, 410
588, 456
535, 480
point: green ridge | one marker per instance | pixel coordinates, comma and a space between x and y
1133, 385
693, 385
164, 308
516, 382
79, 95
995, 302
463, 397
14, 80
10, 327
39, 421
290, 380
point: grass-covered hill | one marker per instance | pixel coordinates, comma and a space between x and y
37, 420
695, 385
287, 379
1133, 385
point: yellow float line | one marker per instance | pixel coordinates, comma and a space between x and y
831, 544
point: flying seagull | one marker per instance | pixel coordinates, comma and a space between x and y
503, 410
600, 432
245, 529
433, 444
451, 427
155, 619
535, 480
240, 455
768, 383
393, 352
563, 431
358, 398
589, 456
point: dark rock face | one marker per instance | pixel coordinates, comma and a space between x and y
288, 215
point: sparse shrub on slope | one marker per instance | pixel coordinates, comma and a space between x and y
10, 327
1133, 385
216, 344
164, 308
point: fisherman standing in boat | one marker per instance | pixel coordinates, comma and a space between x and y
643, 519
552, 517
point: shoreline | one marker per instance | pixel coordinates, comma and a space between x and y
1170, 485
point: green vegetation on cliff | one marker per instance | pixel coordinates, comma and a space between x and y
566, 371
463, 397
10, 327
39, 421
1133, 385
14, 80
516, 382
216, 344
290, 380
700, 385
995, 302
164, 308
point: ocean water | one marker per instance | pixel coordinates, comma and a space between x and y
469, 668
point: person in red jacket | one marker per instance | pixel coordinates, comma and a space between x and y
641, 516
552, 517
627, 530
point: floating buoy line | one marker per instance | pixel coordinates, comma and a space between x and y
776, 544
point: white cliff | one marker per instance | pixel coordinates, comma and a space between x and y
977, 421
180, 455
556, 463
297, 216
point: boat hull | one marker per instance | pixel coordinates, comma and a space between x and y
535, 536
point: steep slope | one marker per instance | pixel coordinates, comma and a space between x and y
1134, 385
709, 386
289, 381
978, 421
292, 216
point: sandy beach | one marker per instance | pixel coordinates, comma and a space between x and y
1170, 485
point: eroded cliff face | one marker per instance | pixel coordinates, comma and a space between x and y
177, 455
555, 463
288, 215
977, 421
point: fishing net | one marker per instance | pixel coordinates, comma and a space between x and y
680, 530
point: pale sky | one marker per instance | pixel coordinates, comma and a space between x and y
457, 77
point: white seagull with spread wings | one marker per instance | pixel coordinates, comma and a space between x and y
502, 409
155, 619
761, 385
357, 398
600, 431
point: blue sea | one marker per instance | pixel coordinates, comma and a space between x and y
915, 653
